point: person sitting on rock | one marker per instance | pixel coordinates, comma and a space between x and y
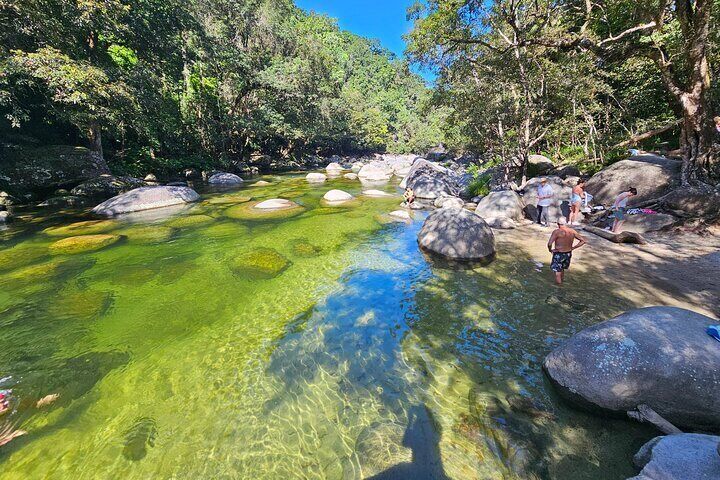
576, 199
620, 208
561, 245
409, 196
545, 195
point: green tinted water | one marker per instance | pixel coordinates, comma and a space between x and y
320, 345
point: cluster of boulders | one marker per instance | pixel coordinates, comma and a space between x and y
656, 359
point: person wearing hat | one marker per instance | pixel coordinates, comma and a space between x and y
561, 245
545, 195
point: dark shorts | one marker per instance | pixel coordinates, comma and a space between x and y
620, 214
561, 261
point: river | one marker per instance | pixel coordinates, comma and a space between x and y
337, 350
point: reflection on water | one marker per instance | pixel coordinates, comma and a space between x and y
352, 356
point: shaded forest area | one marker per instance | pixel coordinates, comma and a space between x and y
165, 84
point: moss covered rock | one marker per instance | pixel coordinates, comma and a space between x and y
147, 234
302, 248
30, 274
225, 230
21, 256
228, 200
88, 227
83, 243
190, 221
250, 211
85, 305
261, 263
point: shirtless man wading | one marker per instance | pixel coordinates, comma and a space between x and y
561, 245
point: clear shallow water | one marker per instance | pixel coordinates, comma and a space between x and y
356, 357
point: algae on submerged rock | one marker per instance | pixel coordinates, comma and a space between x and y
87, 227
261, 263
83, 244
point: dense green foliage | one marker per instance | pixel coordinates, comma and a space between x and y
571, 78
155, 80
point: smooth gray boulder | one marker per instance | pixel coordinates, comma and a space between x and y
679, 457
146, 198
540, 164
693, 202
375, 172
430, 181
505, 203
336, 196
653, 176
457, 234
224, 179
316, 177
276, 204
501, 223
560, 206
658, 356
445, 202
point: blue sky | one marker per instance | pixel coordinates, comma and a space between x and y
385, 20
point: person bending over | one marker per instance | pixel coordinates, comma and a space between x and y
620, 207
561, 245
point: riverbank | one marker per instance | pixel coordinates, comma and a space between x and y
675, 268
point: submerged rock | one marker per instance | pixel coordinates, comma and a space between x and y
83, 244
276, 204
261, 263
376, 193
379, 447
190, 221
228, 200
261, 183
146, 198
657, 356
21, 256
457, 234
139, 438
303, 248
88, 227
148, 234
269, 209
335, 196
225, 179
679, 457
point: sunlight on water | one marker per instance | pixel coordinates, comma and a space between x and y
320, 344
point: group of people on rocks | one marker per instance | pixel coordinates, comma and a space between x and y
565, 239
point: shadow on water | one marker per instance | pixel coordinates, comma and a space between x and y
422, 437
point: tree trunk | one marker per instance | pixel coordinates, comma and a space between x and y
698, 160
95, 137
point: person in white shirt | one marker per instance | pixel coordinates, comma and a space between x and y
620, 208
545, 198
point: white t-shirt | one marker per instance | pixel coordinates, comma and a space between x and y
544, 191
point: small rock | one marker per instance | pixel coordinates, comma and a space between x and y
316, 177
275, 204
351, 176
223, 178
683, 456
262, 263
334, 168
261, 183
150, 178
337, 196
401, 215
5, 217
376, 193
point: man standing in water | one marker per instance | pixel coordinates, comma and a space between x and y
561, 245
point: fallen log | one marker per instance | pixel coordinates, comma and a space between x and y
645, 414
622, 237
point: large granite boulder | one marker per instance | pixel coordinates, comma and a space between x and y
430, 180
642, 223
505, 203
375, 172
223, 179
146, 198
43, 169
539, 164
679, 457
693, 202
560, 206
447, 202
457, 234
106, 186
652, 176
657, 356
